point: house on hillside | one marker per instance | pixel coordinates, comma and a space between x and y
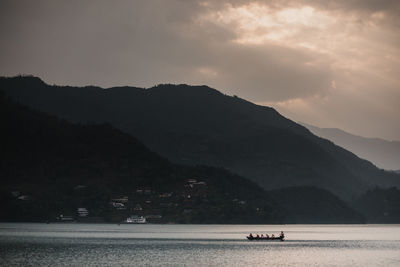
82, 212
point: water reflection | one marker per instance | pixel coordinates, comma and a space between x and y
197, 245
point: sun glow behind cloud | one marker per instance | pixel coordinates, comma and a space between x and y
329, 63
255, 23
357, 50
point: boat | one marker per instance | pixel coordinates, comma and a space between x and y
135, 220
259, 238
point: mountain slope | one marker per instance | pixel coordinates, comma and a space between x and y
380, 205
199, 125
303, 203
50, 167
384, 154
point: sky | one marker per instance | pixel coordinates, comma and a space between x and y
325, 63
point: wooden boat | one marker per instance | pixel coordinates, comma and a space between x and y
278, 238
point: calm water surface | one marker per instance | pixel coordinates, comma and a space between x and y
25, 244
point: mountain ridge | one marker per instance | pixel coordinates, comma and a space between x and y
51, 169
210, 128
383, 153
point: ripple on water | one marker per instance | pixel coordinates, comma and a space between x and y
196, 245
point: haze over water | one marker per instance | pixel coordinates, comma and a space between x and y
197, 245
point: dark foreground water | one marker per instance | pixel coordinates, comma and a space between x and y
23, 244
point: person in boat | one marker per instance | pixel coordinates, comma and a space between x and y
251, 235
282, 234
258, 236
272, 236
266, 235
262, 235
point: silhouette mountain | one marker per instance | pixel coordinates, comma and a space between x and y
380, 205
49, 167
383, 153
199, 125
307, 204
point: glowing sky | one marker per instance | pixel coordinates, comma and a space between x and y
327, 63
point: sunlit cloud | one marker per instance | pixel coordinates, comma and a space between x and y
329, 63
257, 23
357, 49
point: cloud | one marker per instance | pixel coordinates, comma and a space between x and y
303, 57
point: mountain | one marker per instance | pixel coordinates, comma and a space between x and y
51, 169
384, 154
380, 205
199, 125
308, 204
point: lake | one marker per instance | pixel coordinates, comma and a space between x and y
29, 244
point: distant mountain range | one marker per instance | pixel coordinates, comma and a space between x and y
384, 154
199, 125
